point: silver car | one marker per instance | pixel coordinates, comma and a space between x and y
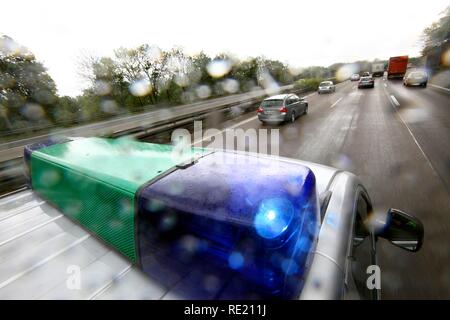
366, 82
326, 86
39, 244
282, 108
416, 78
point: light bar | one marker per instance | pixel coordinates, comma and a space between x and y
251, 222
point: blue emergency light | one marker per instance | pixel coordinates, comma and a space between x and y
251, 221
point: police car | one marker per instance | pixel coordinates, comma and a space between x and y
147, 221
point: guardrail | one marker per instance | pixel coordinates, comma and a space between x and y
140, 122
137, 126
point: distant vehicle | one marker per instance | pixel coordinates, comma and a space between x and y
416, 78
281, 108
377, 69
355, 77
397, 67
311, 226
326, 86
366, 82
365, 74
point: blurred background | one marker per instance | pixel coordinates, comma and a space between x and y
126, 68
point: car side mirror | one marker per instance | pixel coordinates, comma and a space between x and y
403, 230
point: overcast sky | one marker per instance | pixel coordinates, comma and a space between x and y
302, 33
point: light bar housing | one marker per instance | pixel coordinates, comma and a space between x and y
241, 218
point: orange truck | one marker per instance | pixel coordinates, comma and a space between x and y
397, 67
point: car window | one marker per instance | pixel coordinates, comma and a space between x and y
272, 103
289, 101
362, 251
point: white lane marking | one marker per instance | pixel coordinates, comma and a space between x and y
239, 124
412, 136
236, 125
385, 85
332, 106
394, 100
439, 87
244, 122
222, 131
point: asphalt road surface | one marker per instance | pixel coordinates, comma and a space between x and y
397, 140
14, 149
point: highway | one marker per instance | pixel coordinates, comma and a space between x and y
157, 118
397, 140
133, 123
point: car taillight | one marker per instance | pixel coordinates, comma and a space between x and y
283, 109
260, 110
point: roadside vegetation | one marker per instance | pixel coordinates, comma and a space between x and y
133, 80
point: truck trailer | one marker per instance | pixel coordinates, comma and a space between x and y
377, 69
397, 67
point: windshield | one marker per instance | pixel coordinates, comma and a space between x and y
272, 103
326, 83
417, 74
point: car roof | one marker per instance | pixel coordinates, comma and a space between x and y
37, 242
278, 97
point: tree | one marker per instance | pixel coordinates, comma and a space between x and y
144, 63
199, 70
27, 92
278, 70
67, 110
437, 34
246, 73
436, 42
